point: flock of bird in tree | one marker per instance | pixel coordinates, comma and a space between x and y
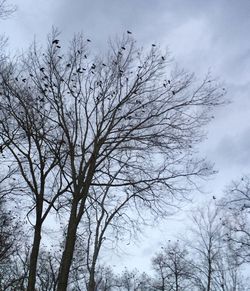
81, 70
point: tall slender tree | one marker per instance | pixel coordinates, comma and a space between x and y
25, 131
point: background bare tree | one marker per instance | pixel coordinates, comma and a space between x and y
207, 232
236, 203
173, 269
25, 130
12, 236
6, 9
133, 280
215, 266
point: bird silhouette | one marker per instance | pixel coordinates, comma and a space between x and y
88, 40
123, 48
153, 45
55, 41
129, 32
163, 58
214, 197
79, 70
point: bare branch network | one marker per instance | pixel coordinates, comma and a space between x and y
97, 138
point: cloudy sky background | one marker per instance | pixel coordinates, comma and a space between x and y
201, 35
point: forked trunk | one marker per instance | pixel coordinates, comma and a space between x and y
91, 286
34, 257
68, 250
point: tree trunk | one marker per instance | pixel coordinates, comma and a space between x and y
67, 256
34, 257
176, 282
209, 274
91, 285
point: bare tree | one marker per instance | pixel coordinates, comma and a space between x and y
15, 273
47, 270
133, 281
7, 233
6, 9
25, 131
122, 122
228, 272
173, 269
129, 119
208, 235
106, 280
236, 204
216, 265
11, 236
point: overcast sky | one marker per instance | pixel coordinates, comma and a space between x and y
201, 35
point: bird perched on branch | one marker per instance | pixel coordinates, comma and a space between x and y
55, 41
